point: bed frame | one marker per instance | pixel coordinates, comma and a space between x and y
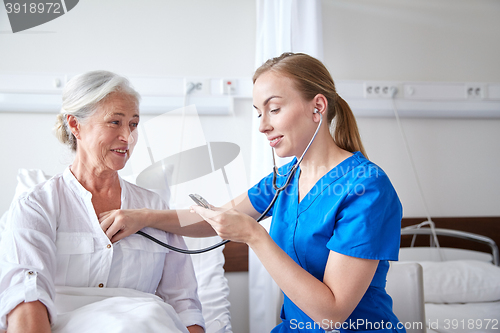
485, 226
236, 254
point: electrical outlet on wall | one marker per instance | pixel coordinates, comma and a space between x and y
475, 91
380, 89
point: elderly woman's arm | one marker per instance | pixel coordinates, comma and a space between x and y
27, 252
195, 329
28, 317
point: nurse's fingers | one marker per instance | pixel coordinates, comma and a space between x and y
207, 214
228, 223
216, 218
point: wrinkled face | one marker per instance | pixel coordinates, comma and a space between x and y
107, 138
285, 117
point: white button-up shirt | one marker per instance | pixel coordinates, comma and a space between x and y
53, 238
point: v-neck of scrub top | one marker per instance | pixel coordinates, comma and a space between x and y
323, 183
295, 209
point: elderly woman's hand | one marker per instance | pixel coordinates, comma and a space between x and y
120, 223
231, 224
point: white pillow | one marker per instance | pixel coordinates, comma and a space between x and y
28, 178
460, 281
213, 288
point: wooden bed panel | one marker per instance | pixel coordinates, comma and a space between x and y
236, 254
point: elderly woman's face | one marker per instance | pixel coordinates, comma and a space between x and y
108, 137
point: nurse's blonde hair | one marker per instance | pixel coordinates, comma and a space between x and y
83, 94
312, 78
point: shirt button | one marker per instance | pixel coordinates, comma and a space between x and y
108, 246
101, 285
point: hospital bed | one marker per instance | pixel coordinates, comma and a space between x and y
459, 282
213, 289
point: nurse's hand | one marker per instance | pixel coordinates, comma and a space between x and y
120, 223
230, 223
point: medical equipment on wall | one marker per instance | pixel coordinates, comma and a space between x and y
202, 202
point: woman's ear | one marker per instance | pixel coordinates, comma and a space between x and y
74, 125
320, 103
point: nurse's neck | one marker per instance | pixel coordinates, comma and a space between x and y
317, 162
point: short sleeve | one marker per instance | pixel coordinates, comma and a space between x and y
368, 224
262, 194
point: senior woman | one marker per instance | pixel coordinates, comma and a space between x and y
53, 237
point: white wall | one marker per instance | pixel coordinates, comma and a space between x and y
147, 38
420, 40
426, 40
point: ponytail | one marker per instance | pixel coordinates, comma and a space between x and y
312, 78
344, 128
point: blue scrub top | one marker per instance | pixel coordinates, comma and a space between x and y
353, 210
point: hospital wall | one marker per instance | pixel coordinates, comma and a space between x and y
457, 160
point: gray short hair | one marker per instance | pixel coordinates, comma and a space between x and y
83, 94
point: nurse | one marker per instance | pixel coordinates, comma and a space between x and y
333, 229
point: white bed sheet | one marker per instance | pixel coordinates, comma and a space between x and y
113, 310
117, 310
464, 317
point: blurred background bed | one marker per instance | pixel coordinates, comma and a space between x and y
461, 277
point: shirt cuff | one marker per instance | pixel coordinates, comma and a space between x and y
15, 295
192, 317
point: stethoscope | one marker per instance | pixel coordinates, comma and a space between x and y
277, 188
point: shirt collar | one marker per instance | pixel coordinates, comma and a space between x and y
73, 183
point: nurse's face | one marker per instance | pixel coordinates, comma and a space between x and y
107, 138
285, 117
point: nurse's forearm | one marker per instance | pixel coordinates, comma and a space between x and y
180, 222
308, 293
120, 223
